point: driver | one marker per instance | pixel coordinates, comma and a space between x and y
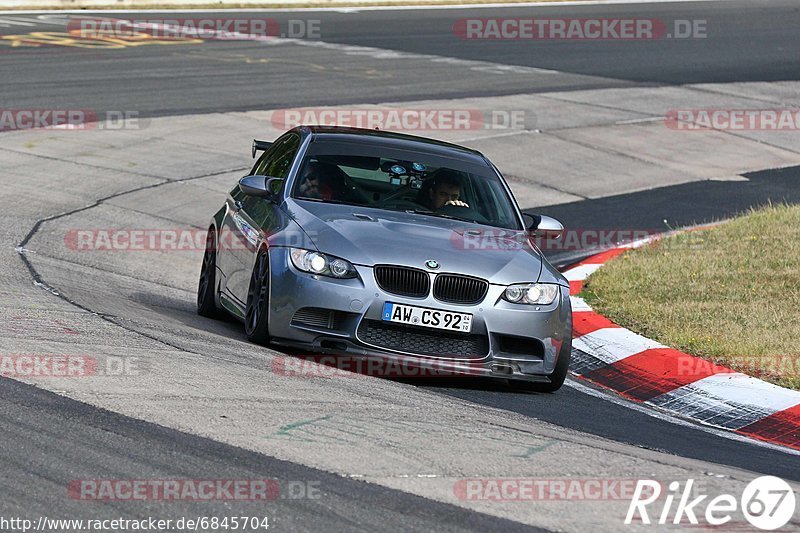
445, 189
316, 184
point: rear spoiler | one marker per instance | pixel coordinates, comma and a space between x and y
260, 146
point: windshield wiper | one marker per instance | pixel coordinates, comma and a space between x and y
434, 214
331, 201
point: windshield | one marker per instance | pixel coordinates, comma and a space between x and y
396, 179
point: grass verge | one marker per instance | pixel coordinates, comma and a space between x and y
730, 294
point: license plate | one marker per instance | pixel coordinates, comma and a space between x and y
429, 318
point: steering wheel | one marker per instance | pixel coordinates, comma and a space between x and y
469, 213
355, 192
396, 194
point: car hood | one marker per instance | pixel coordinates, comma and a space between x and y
366, 236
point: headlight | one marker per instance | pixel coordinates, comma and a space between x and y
321, 264
531, 293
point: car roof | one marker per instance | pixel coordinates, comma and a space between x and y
390, 138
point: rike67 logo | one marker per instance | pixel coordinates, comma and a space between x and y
767, 503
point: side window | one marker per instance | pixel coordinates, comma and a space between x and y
261, 163
277, 161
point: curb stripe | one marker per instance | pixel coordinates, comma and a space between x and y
651, 373
645, 371
585, 322
605, 256
582, 271
582, 363
575, 287
723, 400
743, 389
614, 344
781, 428
579, 305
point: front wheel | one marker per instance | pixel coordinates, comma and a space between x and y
256, 322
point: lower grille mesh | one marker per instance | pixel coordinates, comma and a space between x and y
422, 342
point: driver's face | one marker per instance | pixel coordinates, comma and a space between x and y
443, 193
311, 187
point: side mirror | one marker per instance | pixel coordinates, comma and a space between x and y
261, 186
543, 224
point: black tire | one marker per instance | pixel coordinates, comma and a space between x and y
556, 378
206, 288
256, 321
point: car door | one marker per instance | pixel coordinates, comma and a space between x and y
250, 218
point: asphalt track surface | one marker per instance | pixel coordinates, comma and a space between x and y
34, 421
746, 41
751, 41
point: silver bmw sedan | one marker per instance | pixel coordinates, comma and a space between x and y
364, 243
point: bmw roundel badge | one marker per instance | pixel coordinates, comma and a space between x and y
433, 264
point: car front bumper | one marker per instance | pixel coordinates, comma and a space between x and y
344, 317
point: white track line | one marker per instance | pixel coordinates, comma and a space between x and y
46, 19
388, 54
356, 9
15, 22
